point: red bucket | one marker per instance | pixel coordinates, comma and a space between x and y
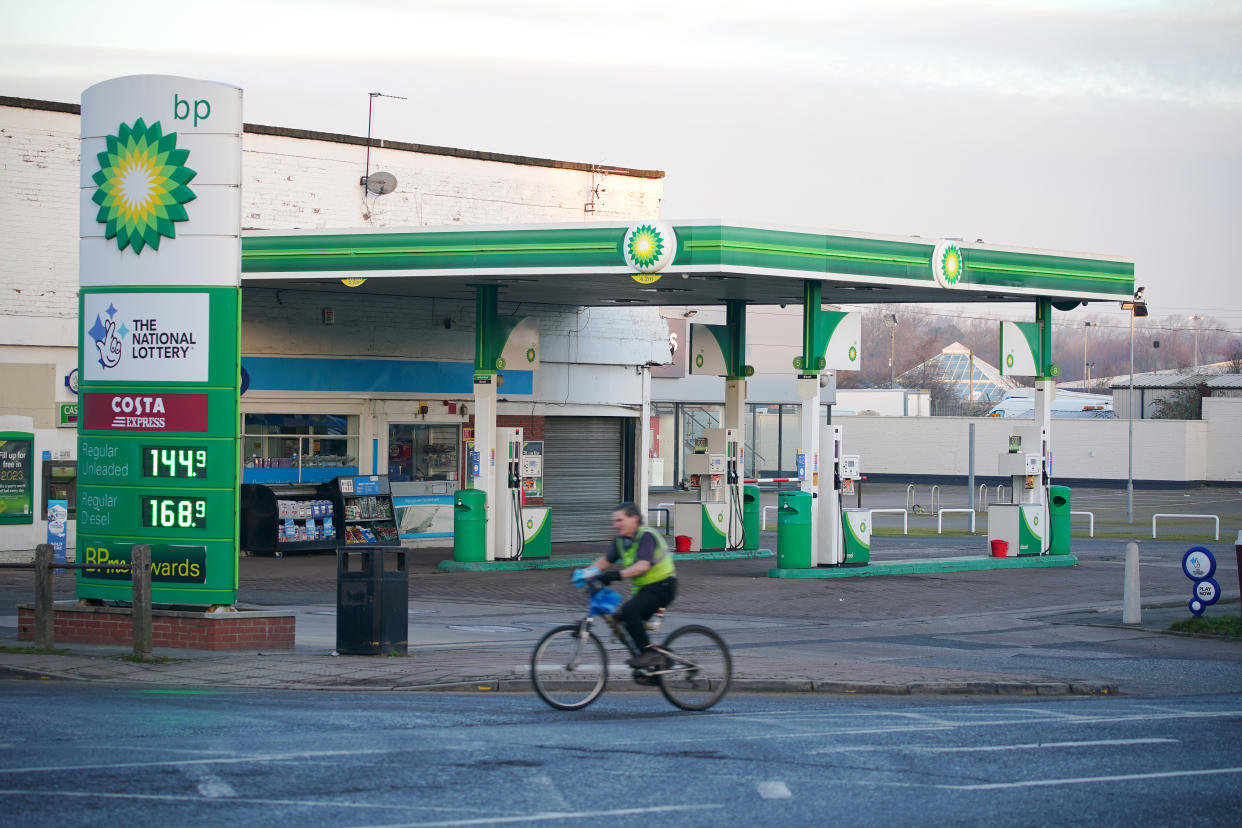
683, 543
1000, 548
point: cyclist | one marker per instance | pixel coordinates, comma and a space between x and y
643, 556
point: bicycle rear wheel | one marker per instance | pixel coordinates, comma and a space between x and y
569, 668
701, 668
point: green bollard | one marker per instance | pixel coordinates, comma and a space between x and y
793, 530
750, 517
469, 525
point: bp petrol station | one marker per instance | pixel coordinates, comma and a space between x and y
160, 346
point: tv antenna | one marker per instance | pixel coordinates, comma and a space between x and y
381, 182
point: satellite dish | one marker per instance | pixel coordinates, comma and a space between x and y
381, 182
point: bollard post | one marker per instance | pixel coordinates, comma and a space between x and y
45, 600
140, 578
1132, 607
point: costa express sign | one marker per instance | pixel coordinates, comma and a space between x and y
144, 411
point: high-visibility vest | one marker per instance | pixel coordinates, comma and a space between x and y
661, 565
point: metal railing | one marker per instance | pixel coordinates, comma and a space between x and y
942, 512
763, 517
905, 518
45, 604
935, 499
1091, 515
983, 496
1214, 518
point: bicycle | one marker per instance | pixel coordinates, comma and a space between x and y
569, 666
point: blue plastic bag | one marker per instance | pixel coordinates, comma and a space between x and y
605, 602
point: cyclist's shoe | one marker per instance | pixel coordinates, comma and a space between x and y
647, 658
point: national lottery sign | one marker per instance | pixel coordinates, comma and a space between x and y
145, 337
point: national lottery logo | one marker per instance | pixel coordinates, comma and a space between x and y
164, 329
109, 339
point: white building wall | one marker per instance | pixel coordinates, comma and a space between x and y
39, 220
312, 184
1224, 419
1174, 450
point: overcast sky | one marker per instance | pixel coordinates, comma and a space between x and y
1112, 126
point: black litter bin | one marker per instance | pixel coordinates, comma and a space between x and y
372, 600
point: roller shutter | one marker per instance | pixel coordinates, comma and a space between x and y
582, 475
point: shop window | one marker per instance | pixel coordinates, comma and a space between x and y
299, 448
423, 452
663, 436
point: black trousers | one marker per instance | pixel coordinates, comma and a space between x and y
642, 605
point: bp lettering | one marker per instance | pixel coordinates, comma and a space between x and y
184, 109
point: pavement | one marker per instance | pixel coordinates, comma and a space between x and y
1048, 631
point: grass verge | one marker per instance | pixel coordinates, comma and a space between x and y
1226, 626
31, 651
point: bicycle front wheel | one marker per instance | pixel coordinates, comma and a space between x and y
569, 667
701, 668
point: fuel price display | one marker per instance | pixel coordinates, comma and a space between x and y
174, 512
174, 461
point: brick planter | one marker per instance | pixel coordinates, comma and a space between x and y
185, 630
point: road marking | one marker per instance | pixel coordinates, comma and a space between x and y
548, 815
1086, 780
210, 784
774, 790
1041, 745
553, 792
985, 748
248, 800
232, 760
915, 728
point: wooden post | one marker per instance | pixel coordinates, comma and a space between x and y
140, 575
45, 601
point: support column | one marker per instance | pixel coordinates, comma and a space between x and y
644, 445
808, 393
735, 416
1045, 391
485, 316
735, 380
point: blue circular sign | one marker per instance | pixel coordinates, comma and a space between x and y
1207, 591
1198, 563
1196, 606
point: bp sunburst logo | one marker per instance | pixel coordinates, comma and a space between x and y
853, 354
648, 248
947, 264
141, 186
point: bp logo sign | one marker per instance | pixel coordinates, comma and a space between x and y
648, 248
947, 264
1009, 360
853, 354
141, 186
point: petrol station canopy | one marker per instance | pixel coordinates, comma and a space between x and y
709, 263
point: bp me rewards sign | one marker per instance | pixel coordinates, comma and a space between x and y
158, 342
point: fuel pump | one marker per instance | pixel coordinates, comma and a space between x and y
1022, 523
509, 536
829, 550
714, 521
